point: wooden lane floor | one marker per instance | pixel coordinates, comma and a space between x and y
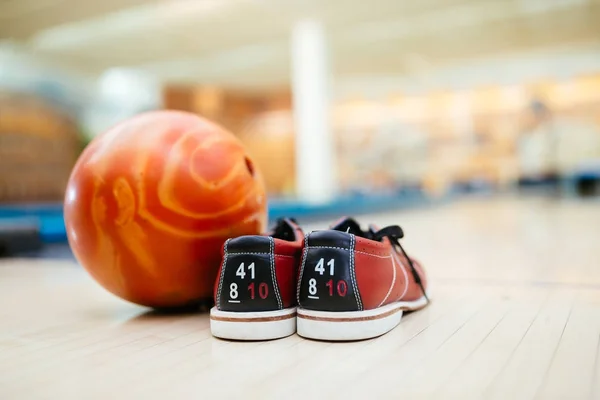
515, 315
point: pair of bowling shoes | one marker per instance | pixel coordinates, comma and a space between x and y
339, 284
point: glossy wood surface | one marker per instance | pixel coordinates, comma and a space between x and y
515, 315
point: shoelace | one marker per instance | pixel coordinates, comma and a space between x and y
395, 233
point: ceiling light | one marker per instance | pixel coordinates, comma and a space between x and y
122, 23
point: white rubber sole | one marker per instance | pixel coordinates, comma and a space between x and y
264, 325
354, 325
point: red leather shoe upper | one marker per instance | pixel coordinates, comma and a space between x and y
287, 258
383, 274
347, 269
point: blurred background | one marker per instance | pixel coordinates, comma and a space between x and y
346, 106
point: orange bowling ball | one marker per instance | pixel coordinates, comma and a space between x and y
151, 201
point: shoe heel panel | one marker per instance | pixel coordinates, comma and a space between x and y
327, 278
247, 280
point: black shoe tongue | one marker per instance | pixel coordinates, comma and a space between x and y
373, 228
347, 224
283, 229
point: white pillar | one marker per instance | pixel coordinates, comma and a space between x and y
315, 158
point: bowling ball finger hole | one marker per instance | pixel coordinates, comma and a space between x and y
249, 166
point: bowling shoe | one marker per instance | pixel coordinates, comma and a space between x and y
255, 291
355, 284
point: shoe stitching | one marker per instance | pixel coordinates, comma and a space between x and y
302, 264
251, 252
393, 282
352, 271
407, 284
327, 247
259, 253
371, 255
222, 277
344, 248
272, 261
